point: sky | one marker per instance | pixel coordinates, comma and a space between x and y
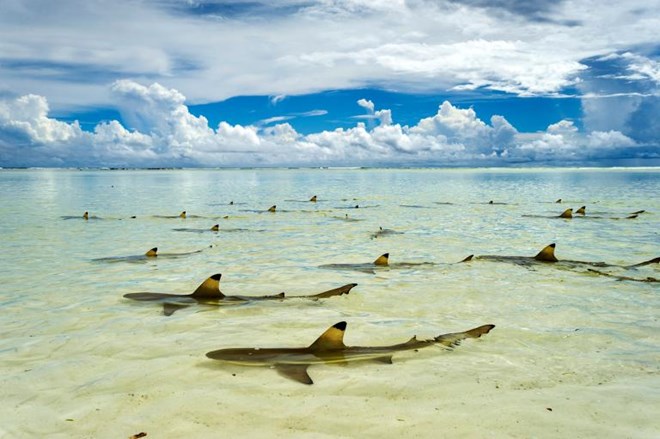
213, 83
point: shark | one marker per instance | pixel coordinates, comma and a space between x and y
581, 212
329, 348
384, 232
182, 215
208, 293
213, 229
547, 256
151, 254
85, 216
381, 262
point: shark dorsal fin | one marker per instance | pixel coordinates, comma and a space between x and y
582, 210
272, 208
215, 228
182, 214
468, 259
152, 253
86, 215
382, 259
547, 254
209, 289
568, 213
313, 199
558, 200
332, 338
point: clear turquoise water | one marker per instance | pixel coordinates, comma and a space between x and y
78, 360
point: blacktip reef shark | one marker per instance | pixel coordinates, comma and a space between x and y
213, 229
151, 254
329, 348
384, 232
85, 216
581, 212
381, 262
208, 293
547, 256
182, 215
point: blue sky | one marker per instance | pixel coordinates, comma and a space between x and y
329, 83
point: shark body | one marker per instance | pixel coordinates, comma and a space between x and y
329, 348
208, 293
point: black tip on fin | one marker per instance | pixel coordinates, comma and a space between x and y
216, 276
341, 326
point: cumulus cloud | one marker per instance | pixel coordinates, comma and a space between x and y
161, 131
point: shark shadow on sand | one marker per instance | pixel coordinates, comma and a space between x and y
329, 348
208, 293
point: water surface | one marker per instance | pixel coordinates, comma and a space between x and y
574, 354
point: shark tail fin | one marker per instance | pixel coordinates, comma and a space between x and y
335, 292
152, 253
332, 338
582, 210
209, 289
547, 254
649, 262
383, 259
455, 338
313, 199
568, 213
182, 214
272, 208
215, 228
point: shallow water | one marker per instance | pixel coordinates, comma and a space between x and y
573, 354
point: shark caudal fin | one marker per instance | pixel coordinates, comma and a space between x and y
272, 208
86, 215
383, 259
455, 338
547, 254
649, 262
182, 214
331, 339
313, 199
568, 213
215, 228
209, 289
581, 211
335, 292
152, 253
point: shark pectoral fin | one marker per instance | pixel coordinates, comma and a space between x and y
547, 254
335, 292
297, 372
382, 259
455, 338
170, 308
385, 360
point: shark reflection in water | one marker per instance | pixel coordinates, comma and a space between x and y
329, 348
208, 293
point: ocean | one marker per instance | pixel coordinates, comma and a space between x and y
574, 353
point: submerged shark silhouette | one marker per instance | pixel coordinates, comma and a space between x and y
208, 293
329, 348
381, 263
547, 255
151, 254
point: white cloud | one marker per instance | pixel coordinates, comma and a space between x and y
169, 135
